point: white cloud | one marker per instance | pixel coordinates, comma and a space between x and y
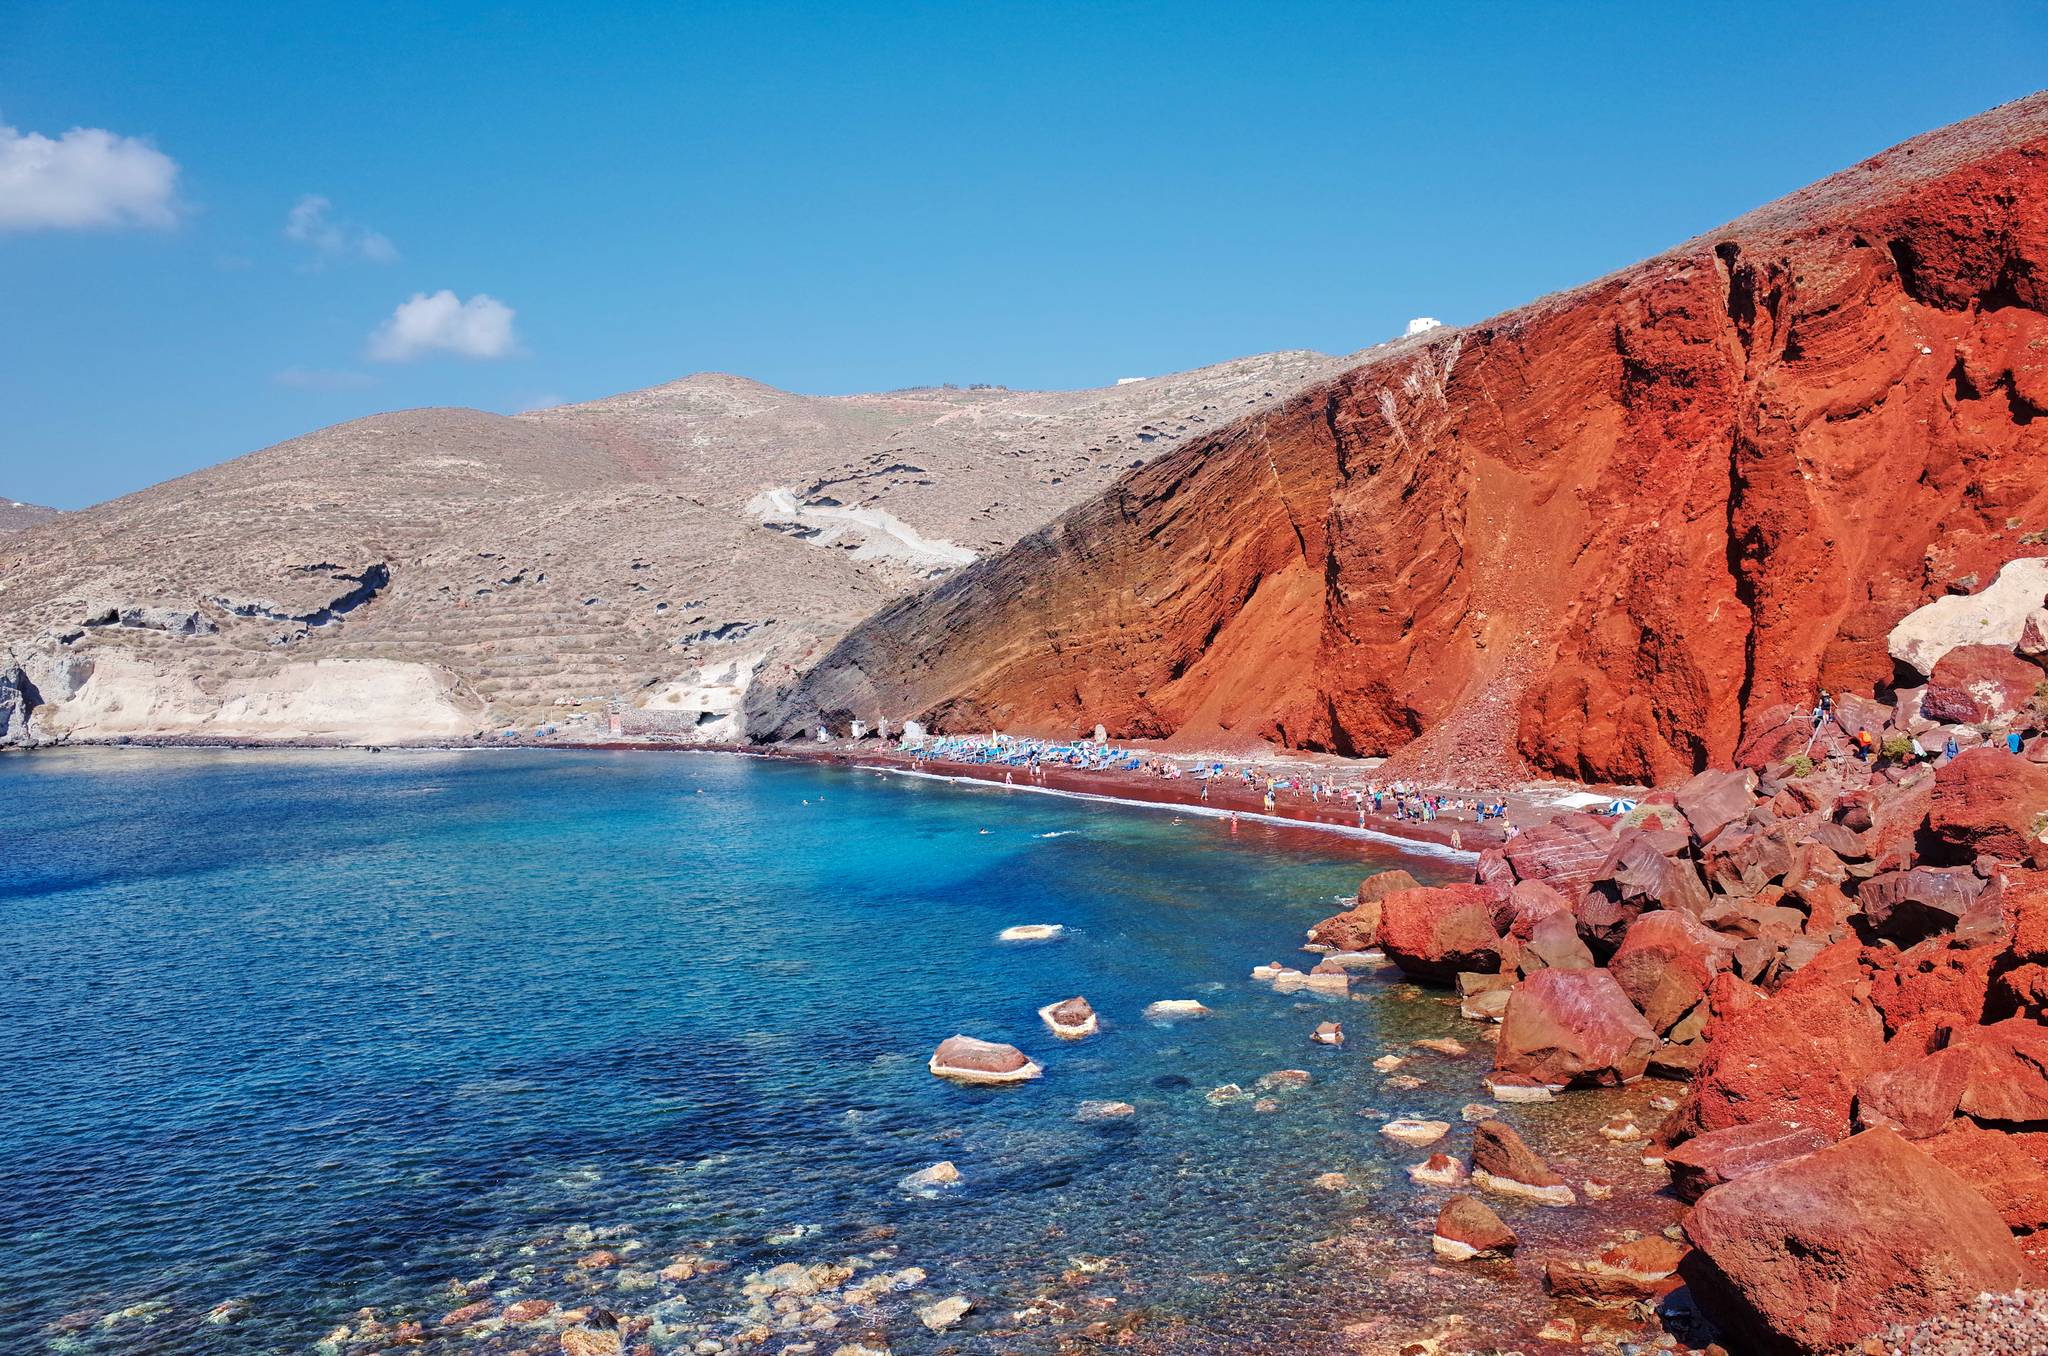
322, 379
443, 323
540, 402
88, 177
311, 223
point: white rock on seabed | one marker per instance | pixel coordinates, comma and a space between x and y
1226, 1095
1032, 932
945, 1313
1174, 1009
1508, 1186
1506, 1090
1093, 1110
1409, 1130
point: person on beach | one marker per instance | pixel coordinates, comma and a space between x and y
1269, 798
1949, 750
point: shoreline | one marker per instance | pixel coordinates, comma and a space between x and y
1455, 840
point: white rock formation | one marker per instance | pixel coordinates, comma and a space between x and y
1994, 615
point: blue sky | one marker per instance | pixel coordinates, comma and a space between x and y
849, 197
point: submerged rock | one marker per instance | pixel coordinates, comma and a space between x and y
945, 1313
1093, 1110
1410, 1130
936, 1177
1032, 932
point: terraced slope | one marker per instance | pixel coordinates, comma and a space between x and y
434, 571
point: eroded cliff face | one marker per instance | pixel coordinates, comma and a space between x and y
1607, 535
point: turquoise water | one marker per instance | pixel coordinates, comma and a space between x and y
291, 1036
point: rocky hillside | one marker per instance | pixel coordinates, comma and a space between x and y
15, 515
431, 573
1608, 535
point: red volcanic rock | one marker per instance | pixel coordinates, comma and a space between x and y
1500, 1152
1996, 1075
1467, 1227
1908, 905
1554, 943
1975, 683
1565, 853
1796, 1055
1433, 933
1713, 800
1529, 903
1706, 1161
2008, 1170
1938, 978
1814, 1252
1988, 801
1380, 884
1573, 1026
1665, 963
1637, 876
1604, 536
1642, 1268
1353, 930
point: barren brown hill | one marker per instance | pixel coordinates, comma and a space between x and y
1604, 535
15, 515
433, 572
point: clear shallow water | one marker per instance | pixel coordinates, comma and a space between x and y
301, 1034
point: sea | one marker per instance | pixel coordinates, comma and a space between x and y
530, 1051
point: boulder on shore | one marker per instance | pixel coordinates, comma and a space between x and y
1817, 1251
1989, 801
1565, 852
1574, 1026
1433, 933
963, 1059
1665, 962
1706, 1161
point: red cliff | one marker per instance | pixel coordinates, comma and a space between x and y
1607, 535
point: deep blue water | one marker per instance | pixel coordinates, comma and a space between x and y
301, 1034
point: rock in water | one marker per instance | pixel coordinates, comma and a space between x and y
1327, 1033
1574, 1026
1175, 1009
945, 1313
1502, 1162
1408, 1130
1815, 1252
967, 1060
1103, 1111
1467, 1227
934, 1178
1032, 932
1070, 1020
